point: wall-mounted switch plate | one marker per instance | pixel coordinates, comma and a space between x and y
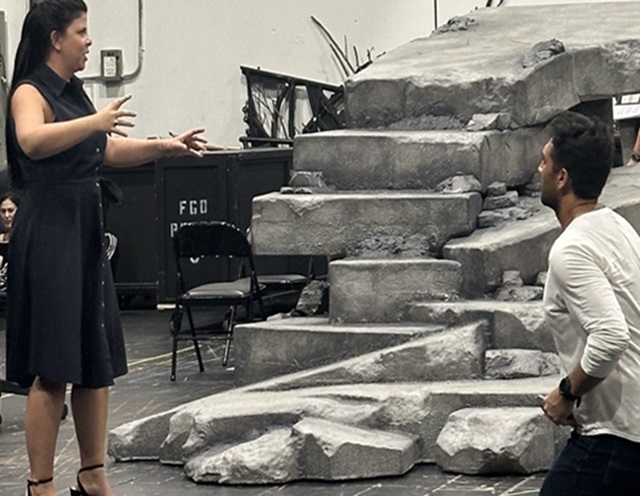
111, 65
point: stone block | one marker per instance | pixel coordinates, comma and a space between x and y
409, 160
459, 74
332, 224
487, 253
509, 199
524, 246
511, 324
332, 451
378, 290
497, 189
517, 363
470, 443
141, 439
268, 349
452, 354
272, 458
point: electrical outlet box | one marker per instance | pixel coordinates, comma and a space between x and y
111, 65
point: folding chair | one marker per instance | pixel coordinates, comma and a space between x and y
275, 283
222, 240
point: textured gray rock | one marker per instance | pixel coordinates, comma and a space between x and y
487, 253
140, 439
394, 247
314, 299
497, 189
517, 363
268, 349
492, 218
246, 415
270, 459
378, 290
408, 160
511, 324
523, 293
459, 184
487, 122
459, 74
512, 279
332, 451
328, 224
524, 246
307, 179
452, 354
471, 444
509, 199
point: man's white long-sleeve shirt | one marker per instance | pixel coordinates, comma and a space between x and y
592, 304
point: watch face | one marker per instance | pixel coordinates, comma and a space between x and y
565, 388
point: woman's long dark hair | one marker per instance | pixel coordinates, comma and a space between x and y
43, 18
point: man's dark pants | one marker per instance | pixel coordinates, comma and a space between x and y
595, 466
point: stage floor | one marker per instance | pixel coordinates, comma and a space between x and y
147, 390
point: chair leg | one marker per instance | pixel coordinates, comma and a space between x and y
174, 357
177, 323
227, 344
195, 339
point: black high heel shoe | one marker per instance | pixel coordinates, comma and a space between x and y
80, 491
31, 483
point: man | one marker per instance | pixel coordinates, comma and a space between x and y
592, 304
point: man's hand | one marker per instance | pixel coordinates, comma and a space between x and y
559, 409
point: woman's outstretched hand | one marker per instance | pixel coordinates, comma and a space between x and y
113, 116
191, 143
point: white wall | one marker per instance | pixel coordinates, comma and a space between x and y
193, 49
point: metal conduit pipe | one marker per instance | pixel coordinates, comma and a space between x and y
138, 69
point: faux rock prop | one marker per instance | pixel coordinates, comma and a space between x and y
332, 451
314, 299
497, 189
460, 183
470, 443
518, 363
509, 199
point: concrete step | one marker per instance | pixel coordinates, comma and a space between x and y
441, 81
379, 290
437, 355
284, 346
524, 245
344, 222
510, 324
403, 160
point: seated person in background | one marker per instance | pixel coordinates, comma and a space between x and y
9, 202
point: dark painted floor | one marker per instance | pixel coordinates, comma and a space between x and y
147, 390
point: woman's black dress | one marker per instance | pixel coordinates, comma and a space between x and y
63, 323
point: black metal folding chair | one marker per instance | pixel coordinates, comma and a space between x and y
221, 240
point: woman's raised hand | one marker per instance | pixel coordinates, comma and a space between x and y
189, 143
113, 116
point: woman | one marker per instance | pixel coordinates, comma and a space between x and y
63, 324
9, 202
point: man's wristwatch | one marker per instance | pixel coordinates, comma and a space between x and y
635, 156
565, 390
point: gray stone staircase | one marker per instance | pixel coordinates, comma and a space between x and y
403, 369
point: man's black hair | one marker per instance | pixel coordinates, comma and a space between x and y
584, 147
